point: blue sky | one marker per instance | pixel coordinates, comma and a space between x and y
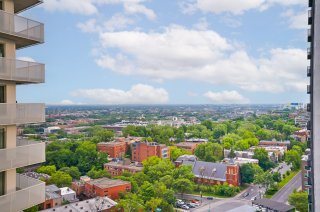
170, 52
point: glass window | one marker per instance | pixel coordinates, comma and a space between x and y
2, 183
1, 5
1, 47
2, 94
2, 138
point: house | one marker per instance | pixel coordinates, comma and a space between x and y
240, 154
116, 168
143, 150
301, 135
97, 204
68, 194
185, 160
53, 197
214, 173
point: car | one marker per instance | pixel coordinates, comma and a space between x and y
210, 198
253, 198
185, 207
194, 204
179, 202
195, 201
190, 205
245, 194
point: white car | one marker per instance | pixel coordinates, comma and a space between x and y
253, 198
180, 202
194, 204
185, 207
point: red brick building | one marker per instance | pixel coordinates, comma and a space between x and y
189, 146
105, 187
113, 149
143, 150
117, 168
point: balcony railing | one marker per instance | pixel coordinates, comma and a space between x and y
309, 53
309, 35
21, 71
29, 192
23, 31
309, 71
310, 17
11, 114
27, 153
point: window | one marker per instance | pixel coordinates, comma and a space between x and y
2, 138
1, 45
2, 180
1, 5
2, 94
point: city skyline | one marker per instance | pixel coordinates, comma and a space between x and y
181, 52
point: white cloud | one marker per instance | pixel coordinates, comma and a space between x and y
138, 94
90, 7
67, 102
202, 24
28, 59
205, 56
297, 20
238, 8
226, 97
84, 7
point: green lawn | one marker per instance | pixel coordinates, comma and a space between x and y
283, 182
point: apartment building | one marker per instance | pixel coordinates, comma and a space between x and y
143, 150
18, 192
189, 146
113, 149
313, 163
117, 168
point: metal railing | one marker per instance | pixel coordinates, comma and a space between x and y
28, 153
20, 26
29, 192
21, 71
21, 113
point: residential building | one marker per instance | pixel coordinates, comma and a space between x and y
116, 168
301, 135
274, 142
305, 172
240, 161
189, 146
215, 173
68, 194
314, 90
78, 186
113, 149
53, 197
185, 160
240, 154
18, 192
143, 150
105, 187
98, 204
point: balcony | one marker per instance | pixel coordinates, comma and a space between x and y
20, 6
309, 71
309, 107
309, 125
22, 31
309, 143
11, 114
309, 53
310, 17
309, 35
308, 89
21, 72
29, 192
26, 153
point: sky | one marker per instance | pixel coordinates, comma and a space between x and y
170, 52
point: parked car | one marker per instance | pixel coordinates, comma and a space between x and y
253, 198
195, 201
190, 205
245, 194
185, 207
194, 204
210, 198
180, 202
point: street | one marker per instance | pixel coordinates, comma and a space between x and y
283, 194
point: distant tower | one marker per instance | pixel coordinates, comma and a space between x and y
18, 192
313, 164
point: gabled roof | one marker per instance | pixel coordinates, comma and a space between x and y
208, 170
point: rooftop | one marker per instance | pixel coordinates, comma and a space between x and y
66, 190
273, 205
91, 205
128, 166
107, 183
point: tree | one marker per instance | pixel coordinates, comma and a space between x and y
293, 157
209, 152
248, 172
47, 169
262, 155
72, 171
95, 174
299, 200
153, 204
146, 191
176, 152
60, 179
167, 180
265, 179
131, 203
183, 172
219, 130
182, 185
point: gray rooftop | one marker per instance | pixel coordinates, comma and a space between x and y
273, 205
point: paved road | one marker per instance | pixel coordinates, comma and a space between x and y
283, 194
282, 168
